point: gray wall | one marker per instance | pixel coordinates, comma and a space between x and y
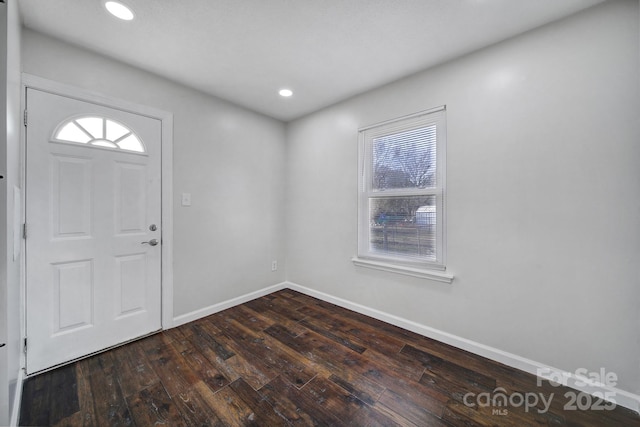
10, 308
543, 203
230, 159
4, 229
543, 208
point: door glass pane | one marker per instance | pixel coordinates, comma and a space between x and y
104, 143
100, 132
93, 125
72, 133
131, 143
115, 130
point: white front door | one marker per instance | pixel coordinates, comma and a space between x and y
93, 186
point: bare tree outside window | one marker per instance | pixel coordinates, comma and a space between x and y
405, 160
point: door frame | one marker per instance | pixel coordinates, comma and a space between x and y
166, 119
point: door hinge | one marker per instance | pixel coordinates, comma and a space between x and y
25, 118
25, 344
24, 231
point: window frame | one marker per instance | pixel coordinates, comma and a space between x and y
93, 142
397, 262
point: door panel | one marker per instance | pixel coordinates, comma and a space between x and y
72, 296
71, 191
130, 279
130, 198
93, 190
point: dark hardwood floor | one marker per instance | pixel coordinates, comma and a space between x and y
289, 359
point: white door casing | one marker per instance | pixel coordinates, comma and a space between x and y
90, 281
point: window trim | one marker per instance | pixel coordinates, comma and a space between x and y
422, 273
398, 263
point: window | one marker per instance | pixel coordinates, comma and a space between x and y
98, 132
402, 190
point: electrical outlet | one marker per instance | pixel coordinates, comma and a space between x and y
274, 265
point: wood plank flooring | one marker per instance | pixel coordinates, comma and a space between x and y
289, 359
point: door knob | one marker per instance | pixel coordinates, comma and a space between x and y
151, 242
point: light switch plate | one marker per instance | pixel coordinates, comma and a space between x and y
186, 199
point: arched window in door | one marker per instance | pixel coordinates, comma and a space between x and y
98, 132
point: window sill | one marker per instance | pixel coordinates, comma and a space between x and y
406, 270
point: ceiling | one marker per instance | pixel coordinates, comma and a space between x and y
244, 51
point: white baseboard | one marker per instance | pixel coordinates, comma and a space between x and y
620, 397
215, 308
17, 399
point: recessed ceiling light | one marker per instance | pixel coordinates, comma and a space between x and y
285, 92
119, 10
